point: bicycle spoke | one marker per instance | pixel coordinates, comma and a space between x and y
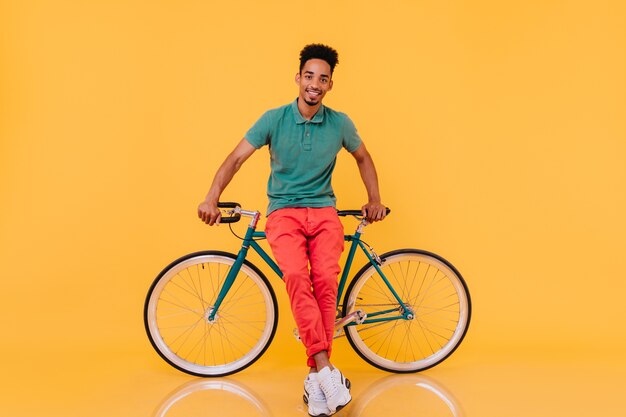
187, 334
184, 307
195, 296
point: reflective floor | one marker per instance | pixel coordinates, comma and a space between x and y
468, 384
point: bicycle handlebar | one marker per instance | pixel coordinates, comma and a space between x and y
235, 217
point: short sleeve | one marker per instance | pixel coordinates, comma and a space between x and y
259, 134
351, 138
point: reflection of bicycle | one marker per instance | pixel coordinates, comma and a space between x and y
214, 313
193, 396
418, 393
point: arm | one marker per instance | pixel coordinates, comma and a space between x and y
207, 210
374, 210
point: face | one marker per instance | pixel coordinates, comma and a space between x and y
314, 81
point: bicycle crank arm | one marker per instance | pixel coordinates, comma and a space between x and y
357, 316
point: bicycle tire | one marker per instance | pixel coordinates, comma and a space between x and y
436, 293
178, 304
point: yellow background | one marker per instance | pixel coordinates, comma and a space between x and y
498, 130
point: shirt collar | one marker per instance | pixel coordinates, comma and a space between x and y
318, 118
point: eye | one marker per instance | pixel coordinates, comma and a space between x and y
308, 77
324, 81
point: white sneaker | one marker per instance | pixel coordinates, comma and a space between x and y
314, 397
336, 388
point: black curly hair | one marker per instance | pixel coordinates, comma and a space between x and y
319, 51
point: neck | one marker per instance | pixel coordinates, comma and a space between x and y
307, 111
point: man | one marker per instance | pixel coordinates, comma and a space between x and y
303, 228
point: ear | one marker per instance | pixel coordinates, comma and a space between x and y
330, 85
298, 78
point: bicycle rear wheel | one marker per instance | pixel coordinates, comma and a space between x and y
435, 293
180, 300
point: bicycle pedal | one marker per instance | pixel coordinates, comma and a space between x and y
360, 316
357, 316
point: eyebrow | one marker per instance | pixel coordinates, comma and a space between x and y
312, 73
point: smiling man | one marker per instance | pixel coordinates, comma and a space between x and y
303, 228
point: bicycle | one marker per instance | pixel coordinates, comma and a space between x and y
214, 313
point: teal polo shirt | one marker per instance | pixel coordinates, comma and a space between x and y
303, 154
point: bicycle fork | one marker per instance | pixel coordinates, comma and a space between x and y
248, 241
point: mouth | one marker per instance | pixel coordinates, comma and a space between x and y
314, 93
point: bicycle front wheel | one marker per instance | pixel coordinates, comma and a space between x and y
180, 300
438, 300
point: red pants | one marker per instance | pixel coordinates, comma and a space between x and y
300, 237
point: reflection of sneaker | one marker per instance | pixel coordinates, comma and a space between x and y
314, 397
336, 388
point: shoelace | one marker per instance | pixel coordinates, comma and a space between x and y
330, 388
315, 391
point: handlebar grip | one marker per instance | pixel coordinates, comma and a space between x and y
356, 212
349, 213
227, 204
229, 219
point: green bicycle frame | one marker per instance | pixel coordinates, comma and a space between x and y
252, 236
